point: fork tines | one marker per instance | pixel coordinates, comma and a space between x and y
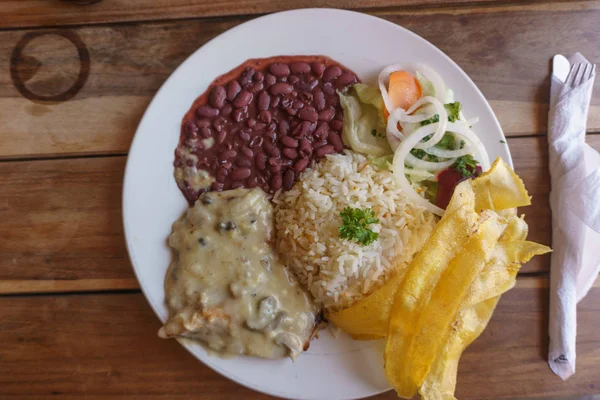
580, 73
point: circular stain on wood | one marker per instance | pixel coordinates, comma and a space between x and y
50, 66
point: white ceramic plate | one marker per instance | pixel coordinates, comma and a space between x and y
332, 368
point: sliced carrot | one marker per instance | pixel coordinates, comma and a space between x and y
404, 89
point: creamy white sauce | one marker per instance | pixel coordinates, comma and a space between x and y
226, 287
198, 179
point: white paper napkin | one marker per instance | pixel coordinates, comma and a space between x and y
575, 203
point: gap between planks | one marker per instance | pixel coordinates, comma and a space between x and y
534, 280
12, 287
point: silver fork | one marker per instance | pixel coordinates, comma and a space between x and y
580, 73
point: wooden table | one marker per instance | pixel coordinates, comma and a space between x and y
74, 81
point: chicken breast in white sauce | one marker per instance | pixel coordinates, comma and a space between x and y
226, 286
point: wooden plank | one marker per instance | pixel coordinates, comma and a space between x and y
129, 62
62, 286
66, 228
61, 220
35, 13
98, 346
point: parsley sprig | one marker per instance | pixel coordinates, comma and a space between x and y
355, 222
453, 111
466, 166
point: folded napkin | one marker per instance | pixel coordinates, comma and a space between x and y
575, 203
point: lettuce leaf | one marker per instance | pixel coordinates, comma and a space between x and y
382, 163
363, 114
426, 86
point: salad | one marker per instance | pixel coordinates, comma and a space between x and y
412, 125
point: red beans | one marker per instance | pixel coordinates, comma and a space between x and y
245, 136
283, 127
241, 173
191, 129
226, 110
239, 115
319, 99
324, 150
275, 101
288, 179
247, 152
298, 104
203, 123
228, 154
270, 80
318, 68
345, 79
205, 133
281, 88
256, 87
274, 152
217, 97
279, 70
265, 116
301, 165
221, 175
289, 142
308, 85
221, 137
302, 129
274, 164
327, 114
336, 125
242, 99
233, 88
205, 111
336, 141
256, 141
305, 148
332, 73
276, 182
243, 162
308, 114
322, 131
270, 122
290, 153
300, 68
261, 161
264, 101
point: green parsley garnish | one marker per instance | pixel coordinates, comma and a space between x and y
502, 141
453, 111
447, 142
432, 120
422, 155
466, 165
355, 222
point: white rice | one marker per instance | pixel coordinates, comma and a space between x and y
339, 271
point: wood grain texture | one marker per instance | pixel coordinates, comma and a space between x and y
61, 220
33, 286
67, 226
105, 346
506, 50
33, 13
